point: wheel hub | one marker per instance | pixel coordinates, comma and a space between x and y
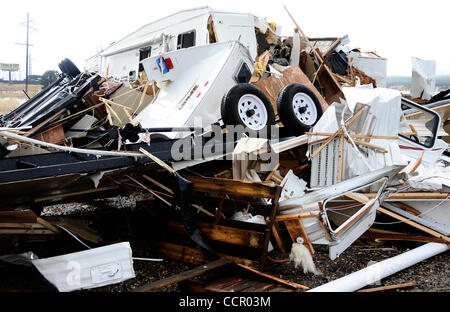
252, 112
304, 108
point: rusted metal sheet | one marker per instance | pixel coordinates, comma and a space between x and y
273, 85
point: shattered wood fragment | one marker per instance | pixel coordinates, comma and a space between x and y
195, 256
158, 161
339, 132
389, 287
296, 229
226, 234
401, 237
274, 278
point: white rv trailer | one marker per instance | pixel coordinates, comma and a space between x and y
196, 57
188, 28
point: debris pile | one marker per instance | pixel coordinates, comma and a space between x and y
233, 148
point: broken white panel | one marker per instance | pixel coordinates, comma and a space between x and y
292, 186
374, 67
429, 177
82, 125
245, 157
295, 52
89, 268
423, 81
435, 214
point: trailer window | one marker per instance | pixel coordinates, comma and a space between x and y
143, 54
186, 40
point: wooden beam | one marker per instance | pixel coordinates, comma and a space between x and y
389, 287
158, 161
417, 195
239, 188
401, 237
339, 131
274, 278
359, 136
295, 216
195, 256
296, 229
222, 233
100, 189
184, 275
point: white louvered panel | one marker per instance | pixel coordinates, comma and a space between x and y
324, 165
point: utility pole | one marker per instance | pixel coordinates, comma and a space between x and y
27, 50
26, 69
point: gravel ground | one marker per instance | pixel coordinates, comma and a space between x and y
432, 275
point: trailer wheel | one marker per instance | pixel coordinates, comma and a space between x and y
245, 104
298, 108
69, 68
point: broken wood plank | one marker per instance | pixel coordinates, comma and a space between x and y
389, 287
408, 208
100, 189
338, 132
359, 136
414, 224
406, 196
195, 256
401, 237
158, 161
296, 229
416, 164
277, 237
184, 275
21, 225
235, 187
295, 216
274, 278
222, 233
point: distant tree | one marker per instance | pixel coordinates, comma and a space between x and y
49, 77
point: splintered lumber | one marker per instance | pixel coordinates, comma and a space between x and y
316, 54
222, 233
358, 136
339, 132
100, 189
228, 186
414, 224
195, 256
158, 161
184, 275
406, 196
400, 237
274, 278
372, 146
295, 227
389, 287
416, 164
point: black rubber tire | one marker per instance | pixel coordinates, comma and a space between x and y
69, 68
286, 110
229, 106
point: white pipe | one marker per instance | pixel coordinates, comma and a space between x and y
380, 270
68, 149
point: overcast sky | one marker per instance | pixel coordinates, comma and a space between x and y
395, 29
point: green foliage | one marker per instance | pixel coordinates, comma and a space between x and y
49, 77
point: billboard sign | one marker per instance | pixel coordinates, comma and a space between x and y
9, 66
